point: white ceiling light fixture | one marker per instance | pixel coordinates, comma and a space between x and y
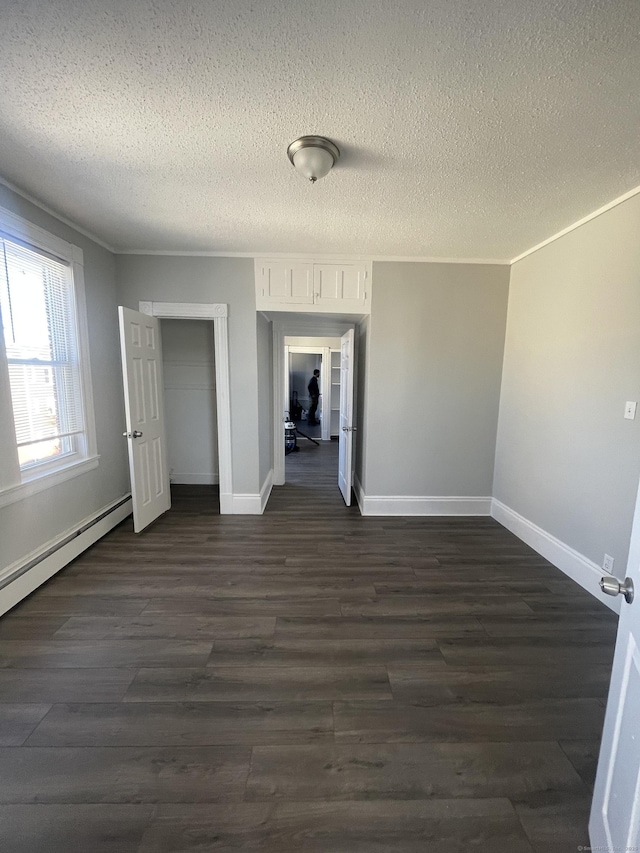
313, 156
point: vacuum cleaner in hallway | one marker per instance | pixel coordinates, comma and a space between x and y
291, 433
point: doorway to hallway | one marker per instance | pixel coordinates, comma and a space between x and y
335, 337
337, 385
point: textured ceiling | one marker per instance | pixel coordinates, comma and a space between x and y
469, 128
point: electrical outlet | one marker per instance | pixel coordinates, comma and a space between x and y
607, 563
630, 410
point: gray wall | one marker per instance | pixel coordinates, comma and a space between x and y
190, 400
202, 279
435, 354
28, 524
566, 458
264, 332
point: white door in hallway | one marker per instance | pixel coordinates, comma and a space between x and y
615, 811
144, 409
345, 436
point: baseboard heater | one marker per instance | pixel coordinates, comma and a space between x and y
21, 579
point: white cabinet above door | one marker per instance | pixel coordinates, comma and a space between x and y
283, 282
338, 287
345, 284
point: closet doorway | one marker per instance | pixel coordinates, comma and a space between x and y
190, 406
142, 365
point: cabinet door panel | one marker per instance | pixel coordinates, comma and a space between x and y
301, 282
328, 281
353, 283
285, 282
276, 282
344, 283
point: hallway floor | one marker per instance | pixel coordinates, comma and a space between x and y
312, 430
308, 680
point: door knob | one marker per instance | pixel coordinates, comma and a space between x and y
135, 434
612, 586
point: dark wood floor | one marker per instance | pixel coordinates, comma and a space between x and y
310, 681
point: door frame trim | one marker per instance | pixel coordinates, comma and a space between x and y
218, 312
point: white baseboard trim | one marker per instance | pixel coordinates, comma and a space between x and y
195, 479
25, 575
245, 504
265, 491
420, 505
249, 503
574, 564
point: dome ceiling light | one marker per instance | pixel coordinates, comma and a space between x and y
313, 156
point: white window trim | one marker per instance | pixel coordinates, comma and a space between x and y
31, 482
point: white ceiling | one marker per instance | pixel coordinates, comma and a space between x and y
469, 128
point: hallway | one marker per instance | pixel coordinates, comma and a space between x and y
309, 680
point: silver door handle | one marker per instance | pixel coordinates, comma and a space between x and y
612, 586
349, 429
135, 434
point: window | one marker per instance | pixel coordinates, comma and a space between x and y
44, 365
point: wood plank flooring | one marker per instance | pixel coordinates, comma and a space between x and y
308, 681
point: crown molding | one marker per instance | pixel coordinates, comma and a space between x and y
435, 260
177, 253
583, 221
314, 256
70, 223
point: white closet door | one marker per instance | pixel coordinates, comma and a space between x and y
144, 408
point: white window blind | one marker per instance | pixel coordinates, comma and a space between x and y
41, 342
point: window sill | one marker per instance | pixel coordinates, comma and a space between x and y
13, 494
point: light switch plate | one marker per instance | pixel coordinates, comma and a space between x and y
630, 410
607, 563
